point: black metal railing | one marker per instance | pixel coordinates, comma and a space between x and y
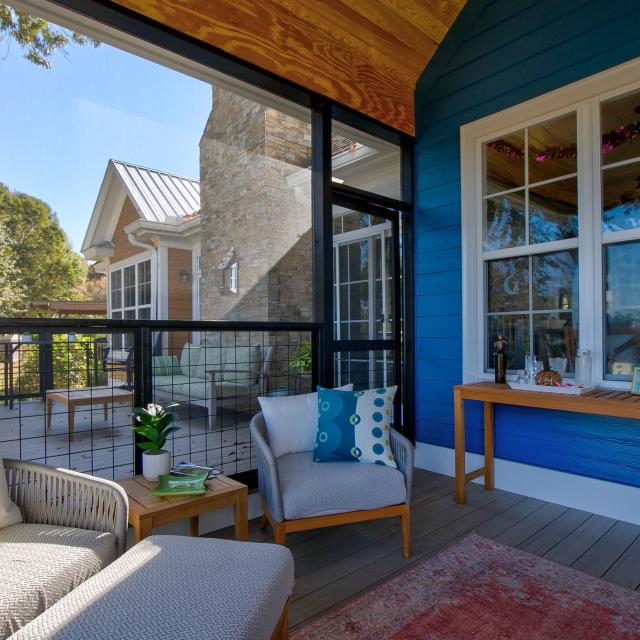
68, 387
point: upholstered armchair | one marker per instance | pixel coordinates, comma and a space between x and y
299, 494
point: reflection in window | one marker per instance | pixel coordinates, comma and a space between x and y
622, 309
620, 128
553, 211
504, 163
532, 298
621, 198
505, 221
552, 149
533, 303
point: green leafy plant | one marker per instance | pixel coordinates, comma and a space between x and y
300, 361
154, 424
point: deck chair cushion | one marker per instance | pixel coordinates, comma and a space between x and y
292, 421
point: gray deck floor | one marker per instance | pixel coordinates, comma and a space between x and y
335, 564
104, 447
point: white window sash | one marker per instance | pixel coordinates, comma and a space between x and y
583, 97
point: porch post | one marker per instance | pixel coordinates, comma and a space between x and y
321, 213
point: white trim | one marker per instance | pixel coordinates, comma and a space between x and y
531, 249
196, 274
127, 262
609, 499
583, 97
163, 284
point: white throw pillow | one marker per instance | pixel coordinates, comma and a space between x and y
292, 421
9, 512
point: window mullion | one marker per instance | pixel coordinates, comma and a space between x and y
589, 251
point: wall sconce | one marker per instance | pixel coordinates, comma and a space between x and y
184, 276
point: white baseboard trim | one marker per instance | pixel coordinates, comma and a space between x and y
619, 501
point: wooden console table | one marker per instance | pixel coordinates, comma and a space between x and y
603, 402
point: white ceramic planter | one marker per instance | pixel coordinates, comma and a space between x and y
156, 464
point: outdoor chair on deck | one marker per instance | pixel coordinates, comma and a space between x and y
298, 494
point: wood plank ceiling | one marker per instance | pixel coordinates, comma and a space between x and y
364, 54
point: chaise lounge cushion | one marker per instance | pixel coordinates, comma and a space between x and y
169, 587
41, 563
311, 489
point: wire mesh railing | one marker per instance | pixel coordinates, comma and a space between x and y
68, 388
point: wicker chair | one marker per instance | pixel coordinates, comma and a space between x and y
74, 526
68, 499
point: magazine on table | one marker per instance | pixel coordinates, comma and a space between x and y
192, 469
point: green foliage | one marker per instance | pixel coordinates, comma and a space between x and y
69, 364
13, 300
154, 425
300, 361
38, 38
44, 265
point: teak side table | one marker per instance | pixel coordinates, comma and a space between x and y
147, 511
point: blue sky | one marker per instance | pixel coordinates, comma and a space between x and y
59, 127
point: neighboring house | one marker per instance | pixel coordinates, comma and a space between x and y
173, 251
144, 235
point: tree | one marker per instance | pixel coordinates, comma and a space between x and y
39, 38
46, 267
12, 295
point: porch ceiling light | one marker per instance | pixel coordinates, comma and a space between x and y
184, 276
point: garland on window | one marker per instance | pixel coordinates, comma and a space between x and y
610, 142
618, 136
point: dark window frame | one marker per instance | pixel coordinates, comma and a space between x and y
323, 110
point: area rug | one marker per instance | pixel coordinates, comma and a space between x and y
482, 590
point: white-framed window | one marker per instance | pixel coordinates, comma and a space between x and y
551, 230
129, 295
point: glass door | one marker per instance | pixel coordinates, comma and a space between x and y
365, 288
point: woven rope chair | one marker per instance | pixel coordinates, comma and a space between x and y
65, 498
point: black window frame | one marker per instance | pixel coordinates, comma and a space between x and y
323, 111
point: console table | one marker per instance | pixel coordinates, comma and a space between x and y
603, 402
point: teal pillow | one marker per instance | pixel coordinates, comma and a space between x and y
354, 425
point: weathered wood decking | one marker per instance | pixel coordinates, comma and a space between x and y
333, 565
105, 447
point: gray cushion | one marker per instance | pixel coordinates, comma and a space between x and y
40, 563
319, 488
170, 587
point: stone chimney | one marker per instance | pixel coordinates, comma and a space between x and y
255, 193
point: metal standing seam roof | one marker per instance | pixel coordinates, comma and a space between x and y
158, 195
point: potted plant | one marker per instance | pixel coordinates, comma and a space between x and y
300, 362
153, 425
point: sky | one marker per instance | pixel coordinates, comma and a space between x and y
59, 127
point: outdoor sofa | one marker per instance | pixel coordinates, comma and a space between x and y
64, 575
74, 526
212, 376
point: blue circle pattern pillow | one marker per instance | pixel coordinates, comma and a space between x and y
354, 425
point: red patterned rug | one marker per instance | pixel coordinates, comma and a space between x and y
482, 590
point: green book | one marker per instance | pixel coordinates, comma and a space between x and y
191, 485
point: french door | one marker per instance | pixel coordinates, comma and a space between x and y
366, 293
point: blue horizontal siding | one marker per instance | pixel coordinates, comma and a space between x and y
496, 55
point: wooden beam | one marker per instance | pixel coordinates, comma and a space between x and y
361, 54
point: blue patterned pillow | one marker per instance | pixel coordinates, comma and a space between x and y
354, 425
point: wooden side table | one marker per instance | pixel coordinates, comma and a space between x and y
147, 511
72, 398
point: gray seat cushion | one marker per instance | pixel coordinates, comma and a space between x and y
320, 488
41, 563
170, 587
